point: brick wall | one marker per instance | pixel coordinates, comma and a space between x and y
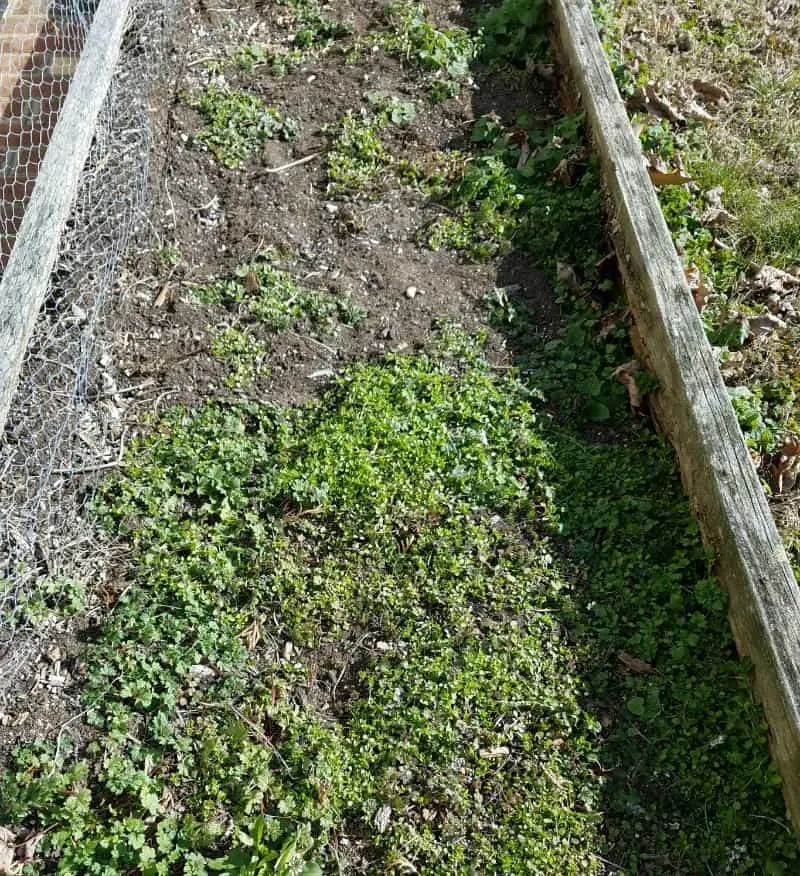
38, 56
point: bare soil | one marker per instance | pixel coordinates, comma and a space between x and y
156, 338
363, 249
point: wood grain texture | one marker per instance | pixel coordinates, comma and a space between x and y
26, 278
692, 405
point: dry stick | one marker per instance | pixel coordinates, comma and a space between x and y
26, 278
692, 405
292, 164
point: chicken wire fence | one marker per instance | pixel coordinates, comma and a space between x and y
65, 424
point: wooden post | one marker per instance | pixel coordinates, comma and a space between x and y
27, 275
692, 405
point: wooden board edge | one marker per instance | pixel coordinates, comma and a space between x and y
26, 278
692, 405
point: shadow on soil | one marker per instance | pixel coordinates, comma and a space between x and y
683, 754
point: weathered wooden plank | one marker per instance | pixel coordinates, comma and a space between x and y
693, 407
24, 283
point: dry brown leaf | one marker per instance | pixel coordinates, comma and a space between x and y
634, 664
9, 866
566, 275
717, 216
713, 197
785, 466
525, 154
693, 111
768, 274
667, 178
626, 375
697, 287
646, 100
765, 326
563, 172
663, 106
542, 71
166, 295
710, 91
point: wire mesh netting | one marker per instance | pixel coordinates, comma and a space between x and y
66, 421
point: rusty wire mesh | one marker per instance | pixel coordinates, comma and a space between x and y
66, 420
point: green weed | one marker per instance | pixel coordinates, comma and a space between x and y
236, 123
357, 157
501, 199
262, 294
243, 353
278, 61
443, 55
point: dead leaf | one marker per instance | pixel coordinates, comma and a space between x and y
718, 216
697, 286
785, 466
646, 100
667, 178
765, 279
542, 71
693, 111
251, 282
634, 664
566, 275
713, 196
524, 155
31, 845
166, 295
626, 375
494, 752
8, 845
563, 172
710, 91
764, 326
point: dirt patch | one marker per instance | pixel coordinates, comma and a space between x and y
364, 249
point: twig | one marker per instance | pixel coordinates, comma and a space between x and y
311, 340
292, 163
202, 60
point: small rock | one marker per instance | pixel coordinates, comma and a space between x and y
411, 292
333, 209
774, 303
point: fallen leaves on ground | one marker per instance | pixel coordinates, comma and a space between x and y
697, 285
626, 375
667, 178
785, 466
634, 664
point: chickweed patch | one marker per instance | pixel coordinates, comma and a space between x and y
260, 293
236, 123
357, 157
442, 55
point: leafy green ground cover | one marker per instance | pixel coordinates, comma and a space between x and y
236, 122
448, 619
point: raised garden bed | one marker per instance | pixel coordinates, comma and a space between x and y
411, 584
